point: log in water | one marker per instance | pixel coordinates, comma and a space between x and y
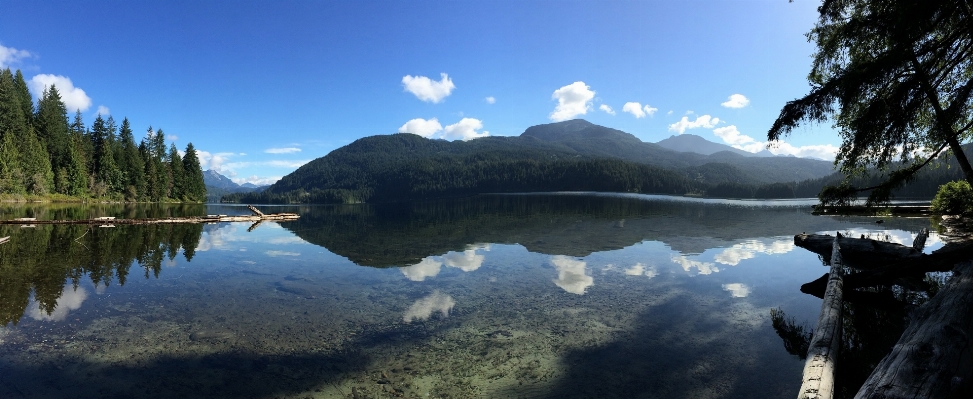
825, 344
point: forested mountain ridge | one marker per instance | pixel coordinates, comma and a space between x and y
44, 156
566, 156
687, 142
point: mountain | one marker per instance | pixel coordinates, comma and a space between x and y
693, 143
218, 185
573, 155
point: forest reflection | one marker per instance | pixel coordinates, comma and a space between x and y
37, 262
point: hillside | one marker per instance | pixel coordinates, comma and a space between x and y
218, 185
693, 143
566, 156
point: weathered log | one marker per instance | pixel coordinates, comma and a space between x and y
943, 259
192, 219
255, 210
860, 253
822, 354
933, 358
3, 240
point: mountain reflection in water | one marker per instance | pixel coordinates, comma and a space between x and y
546, 296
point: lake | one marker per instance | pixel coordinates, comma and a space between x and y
534, 296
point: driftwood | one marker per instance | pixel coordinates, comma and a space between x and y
111, 220
861, 253
904, 272
825, 344
3, 240
933, 358
920, 241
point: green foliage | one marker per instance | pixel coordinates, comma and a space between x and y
893, 77
43, 155
953, 198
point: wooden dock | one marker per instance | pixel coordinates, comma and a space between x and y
257, 216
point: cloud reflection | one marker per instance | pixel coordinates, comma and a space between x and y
747, 250
571, 274
737, 290
689, 264
423, 308
429, 267
640, 269
70, 299
467, 261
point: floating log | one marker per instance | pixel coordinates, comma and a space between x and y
860, 253
279, 217
933, 358
822, 354
900, 272
920, 242
4, 240
255, 210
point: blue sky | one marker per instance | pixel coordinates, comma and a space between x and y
261, 87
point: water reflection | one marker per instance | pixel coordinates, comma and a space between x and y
689, 264
737, 290
35, 263
572, 274
749, 249
71, 299
424, 308
467, 261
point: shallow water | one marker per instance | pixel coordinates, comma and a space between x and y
494, 296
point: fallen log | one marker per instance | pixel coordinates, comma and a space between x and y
255, 210
943, 259
822, 354
860, 253
933, 358
279, 217
3, 240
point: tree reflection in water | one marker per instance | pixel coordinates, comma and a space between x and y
37, 261
872, 321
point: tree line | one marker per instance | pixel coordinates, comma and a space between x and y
42, 153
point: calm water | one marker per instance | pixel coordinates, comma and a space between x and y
541, 296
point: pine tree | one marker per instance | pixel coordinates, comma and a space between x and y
134, 165
176, 170
26, 102
52, 131
195, 188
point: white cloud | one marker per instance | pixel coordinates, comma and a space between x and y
572, 100
214, 161
465, 129
423, 308
732, 136
74, 98
490, 100
736, 101
737, 290
748, 250
649, 110
607, 109
102, 110
634, 108
69, 300
639, 269
422, 127
571, 274
683, 124
466, 261
285, 150
10, 56
256, 180
282, 253
689, 264
427, 89
172, 137
429, 267
669, 113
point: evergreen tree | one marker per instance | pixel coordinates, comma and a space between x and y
134, 165
893, 77
194, 187
152, 190
177, 173
26, 102
52, 130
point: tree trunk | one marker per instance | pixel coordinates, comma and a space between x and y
822, 354
964, 163
933, 358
